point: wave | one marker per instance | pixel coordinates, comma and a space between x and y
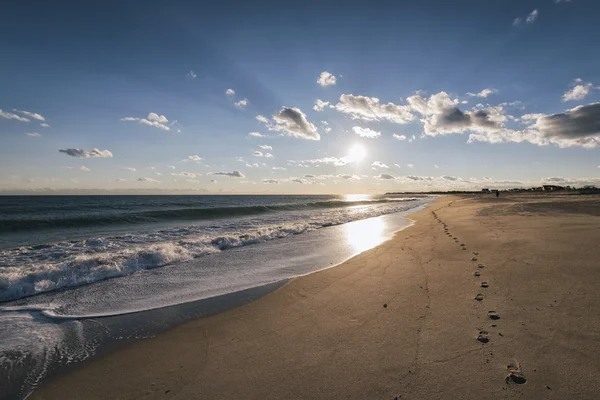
27, 271
177, 214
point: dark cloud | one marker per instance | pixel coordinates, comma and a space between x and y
293, 121
87, 154
234, 174
578, 123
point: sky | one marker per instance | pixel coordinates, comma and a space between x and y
302, 97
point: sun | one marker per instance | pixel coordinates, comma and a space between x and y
357, 153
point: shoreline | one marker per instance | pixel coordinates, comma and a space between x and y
398, 319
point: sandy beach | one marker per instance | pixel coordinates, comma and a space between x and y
398, 321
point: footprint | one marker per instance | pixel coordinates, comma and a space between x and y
493, 315
462, 245
479, 297
480, 265
474, 259
475, 253
484, 284
515, 374
477, 273
483, 337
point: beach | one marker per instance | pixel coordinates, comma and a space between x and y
398, 321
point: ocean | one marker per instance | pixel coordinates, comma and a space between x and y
69, 264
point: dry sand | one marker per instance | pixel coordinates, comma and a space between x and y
398, 320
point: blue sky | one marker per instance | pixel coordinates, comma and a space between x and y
146, 87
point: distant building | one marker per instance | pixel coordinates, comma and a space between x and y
552, 188
485, 191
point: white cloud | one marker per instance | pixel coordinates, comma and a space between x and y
320, 105
484, 93
262, 118
271, 181
338, 162
234, 174
191, 75
366, 132
171, 166
150, 180
292, 121
435, 166
326, 79
265, 147
195, 158
84, 168
532, 16
153, 119
242, 103
379, 164
94, 153
517, 21
399, 137
410, 165
256, 134
33, 134
44, 125
31, 115
230, 92
131, 169
370, 109
9, 115
186, 174
261, 154
279, 169
121, 180
578, 92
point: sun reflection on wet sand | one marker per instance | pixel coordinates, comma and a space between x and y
365, 234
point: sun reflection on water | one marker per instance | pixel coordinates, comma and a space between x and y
357, 197
365, 234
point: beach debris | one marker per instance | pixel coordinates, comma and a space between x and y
479, 297
484, 284
492, 314
385, 305
483, 337
515, 374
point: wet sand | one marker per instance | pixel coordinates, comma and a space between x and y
411, 319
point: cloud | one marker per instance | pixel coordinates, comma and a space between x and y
338, 162
578, 92
84, 168
370, 109
271, 181
94, 153
366, 132
45, 125
9, 115
153, 119
262, 118
384, 177
410, 165
399, 137
326, 79
441, 115
171, 166
191, 75
279, 169
242, 103
435, 166
532, 16
300, 181
265, 147
131, 169
320, 105
484, 93
33, 134
195, 158
517, 21
144, 179
230, 92
121, 180
31, 115
379, 164
186, 174
234, 174
292, 121
256, 134
261, 154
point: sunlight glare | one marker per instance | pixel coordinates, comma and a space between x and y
357, 153
365, 234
